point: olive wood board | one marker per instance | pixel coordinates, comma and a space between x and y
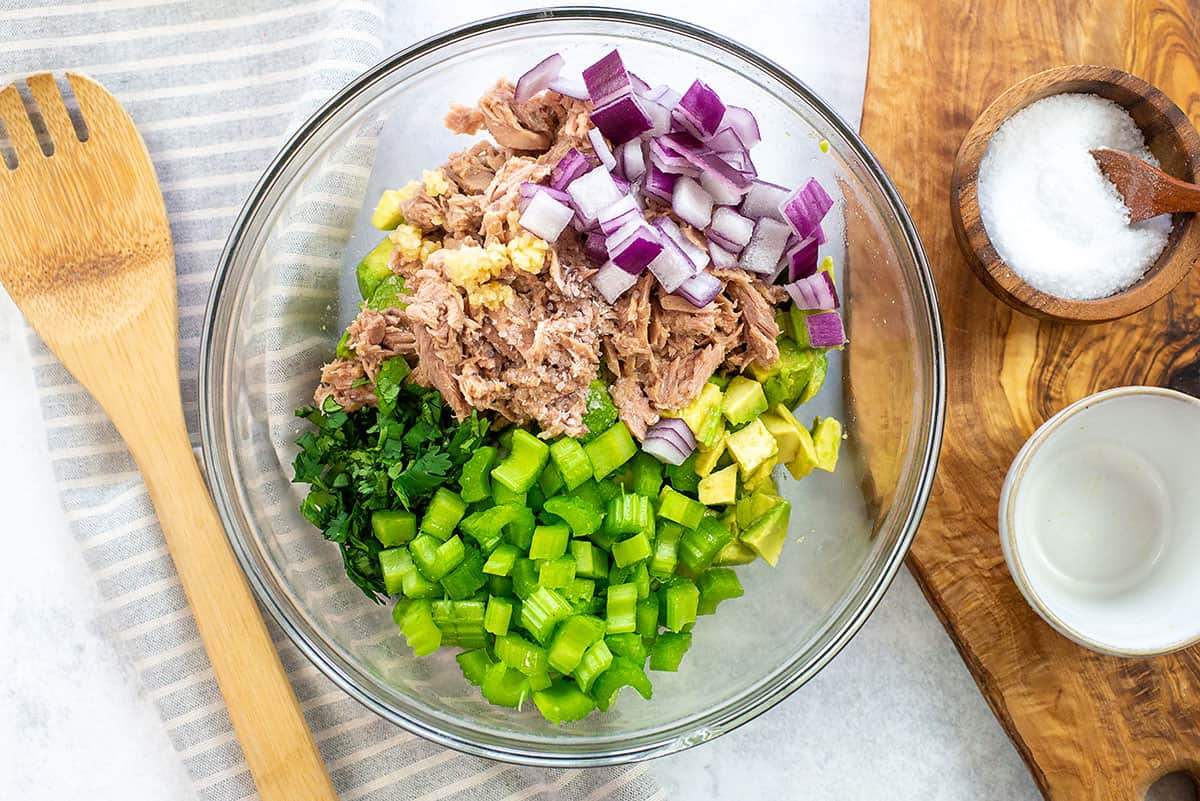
1088, 726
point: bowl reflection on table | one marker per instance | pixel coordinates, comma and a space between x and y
284, 292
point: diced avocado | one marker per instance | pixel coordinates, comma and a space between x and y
806, 456
751, 446
790, 375
707, 458
387, 212
754, 506
374, 268
784, 324
827, 440
761, 474
744, 400
735, 553
819, 369
719, 381
601, 413
703, 415
729, 518
767, 534
783, 426
389, 294
719, 488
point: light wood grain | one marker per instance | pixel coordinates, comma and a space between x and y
1089, 726
1169, 135
85, 251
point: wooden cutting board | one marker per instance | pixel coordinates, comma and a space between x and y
1089, 726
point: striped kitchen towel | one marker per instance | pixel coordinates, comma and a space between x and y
215, 88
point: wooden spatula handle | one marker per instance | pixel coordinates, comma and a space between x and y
277, 743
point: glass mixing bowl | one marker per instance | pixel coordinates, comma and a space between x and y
282, 296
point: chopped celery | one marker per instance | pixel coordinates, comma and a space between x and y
679, 601
582, 516
503, 495
549, 542
551, 481
520, 531
419, 630
641, 579
497, 615
621, 673
516, 652
646, 616
436, 559
610, 450
542, 611
500, 586
589, 491
609, 489
679, 508
767, 534
563, 701
486, 527
629, 514
399, 609
461, 622
524, 578
683, 477
579, 590
631, 646
524, 463
572, 463
601, 412
590, 561
474, 664
445, 509
504, 686
716, 585
465, 580
698, 548
393, 528
572, 638
500, 562
647, 474
539, 681
668, 650
666, 549
556, 573
622, 608
474, 479
394, 563
631, 550
597, 659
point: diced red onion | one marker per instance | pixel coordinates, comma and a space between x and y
670, 440
814, 293
806, 207
640, 87
730, 230
623, 186
545, 217
722, 259
723, 193
671, 267
825, 330
700, 110
663, 95
742, 121
819, 233
670, 160
592, 192
622, 119
595, 248
740, 161
538, 78
572, 165
687, 146
725, 140
660, 117
659, 184
700, 289
569, 87
635, 252
596, 137
621, 211
612, 282
607, 79
802, 258
766, 245
697, 255
632, 159
763, 199
693, 205
529, 189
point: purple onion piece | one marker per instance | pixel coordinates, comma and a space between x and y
763, 199
636, 252
528, 190
722, 259
592, 192
672, 233
607, 79
700, 289
659, 184
595, 248
622, 119
693, 205
671, 267
670, 160
612, 282
602, 150
572, 165
730, 227
825, 330
806, 207
763, 252
724, 141
618, 213
743, 123
632, 159
569, 87
538, 78
802, 258
670, 440
545, 217
814, 293
700, 110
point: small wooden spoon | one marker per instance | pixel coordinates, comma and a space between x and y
1148, 191
86, 252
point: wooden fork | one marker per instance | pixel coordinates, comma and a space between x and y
86, 253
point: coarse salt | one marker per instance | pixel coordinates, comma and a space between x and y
1052, 216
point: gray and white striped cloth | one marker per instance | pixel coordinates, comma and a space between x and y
215, 88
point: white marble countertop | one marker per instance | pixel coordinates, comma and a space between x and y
896, 715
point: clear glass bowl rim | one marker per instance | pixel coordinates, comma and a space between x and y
720, 720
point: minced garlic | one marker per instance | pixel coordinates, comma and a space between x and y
528, 253
435, 182
408, 241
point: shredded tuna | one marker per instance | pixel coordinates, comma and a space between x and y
373, 337
474, 168
464, 119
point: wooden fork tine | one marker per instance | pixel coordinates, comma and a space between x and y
54, 109
19, 126
98, 107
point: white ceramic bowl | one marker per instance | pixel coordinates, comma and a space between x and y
1100, 521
